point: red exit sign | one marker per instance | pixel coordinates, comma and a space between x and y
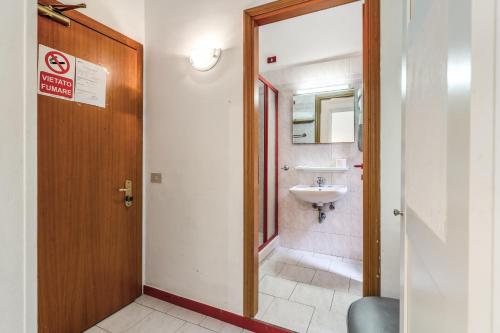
271, 60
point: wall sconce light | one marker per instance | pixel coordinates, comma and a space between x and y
205, 59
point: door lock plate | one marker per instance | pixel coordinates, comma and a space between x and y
129, 199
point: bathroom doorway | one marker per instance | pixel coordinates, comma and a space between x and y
366, 139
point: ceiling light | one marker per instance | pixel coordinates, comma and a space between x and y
205, 59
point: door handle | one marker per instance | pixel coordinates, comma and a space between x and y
129, 199
397, 212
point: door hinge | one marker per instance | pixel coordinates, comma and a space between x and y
55, 12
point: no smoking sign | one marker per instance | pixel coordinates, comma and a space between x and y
56, 73
57, 62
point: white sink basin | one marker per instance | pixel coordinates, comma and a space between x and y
319, 195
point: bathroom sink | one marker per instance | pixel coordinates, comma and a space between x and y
319, 195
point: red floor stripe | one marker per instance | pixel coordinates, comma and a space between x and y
253, 325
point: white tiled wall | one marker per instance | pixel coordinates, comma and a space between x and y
341, 233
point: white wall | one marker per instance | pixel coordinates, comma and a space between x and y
17, 171
194, 137
390, 143
125, 16
332, 33
496, 211
482, 173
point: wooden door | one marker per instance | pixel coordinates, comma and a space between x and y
89, 243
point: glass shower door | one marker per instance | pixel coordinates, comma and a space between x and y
268, 162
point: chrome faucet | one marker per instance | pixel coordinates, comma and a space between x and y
320, 181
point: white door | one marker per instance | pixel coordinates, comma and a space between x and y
448, 166
436, 166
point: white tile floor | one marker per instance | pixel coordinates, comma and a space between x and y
308, 292
150, 315
301, 291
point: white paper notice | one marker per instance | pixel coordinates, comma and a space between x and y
90, 83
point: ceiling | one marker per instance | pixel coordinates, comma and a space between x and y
322, 35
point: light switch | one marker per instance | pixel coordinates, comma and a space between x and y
156, 178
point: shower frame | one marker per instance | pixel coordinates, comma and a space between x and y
266, 238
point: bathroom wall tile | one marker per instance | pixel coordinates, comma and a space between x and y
342, 150
341, 224
298, 221
356, 248
343, 205
310, 154
286, 256
355, 182
340, 246
296, 239
321, 242
356, 225
355, 65
340, 178
287, 200
356, 200
286, 156
337, 223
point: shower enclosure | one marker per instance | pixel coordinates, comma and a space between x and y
268, 162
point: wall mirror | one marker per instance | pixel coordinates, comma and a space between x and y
327, 117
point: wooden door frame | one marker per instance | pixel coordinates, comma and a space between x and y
138, 47
278, 11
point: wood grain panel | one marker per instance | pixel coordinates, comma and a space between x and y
371, 146
89, 243
285, 9
251, 168
278, 11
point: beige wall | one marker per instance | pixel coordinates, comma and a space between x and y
18, 167
194, 135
